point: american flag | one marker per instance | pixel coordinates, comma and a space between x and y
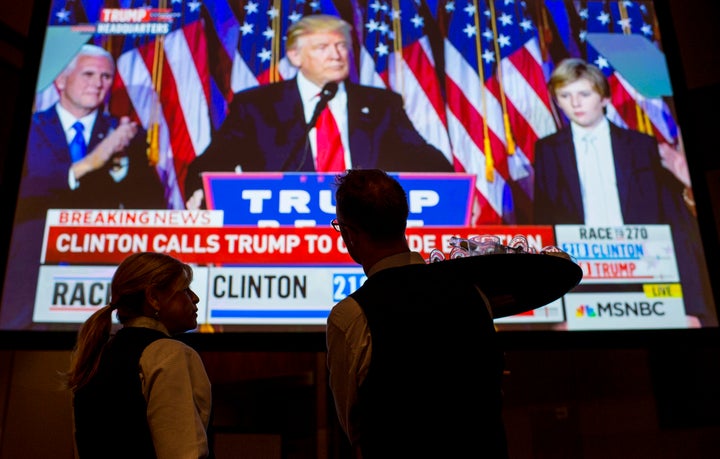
497, 103
472, 74
397, 53
260, 53
628, 107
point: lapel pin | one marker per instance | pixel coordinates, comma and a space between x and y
365, 110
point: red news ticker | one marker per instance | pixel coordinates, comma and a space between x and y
231, 245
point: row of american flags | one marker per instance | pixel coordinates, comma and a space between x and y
472, 74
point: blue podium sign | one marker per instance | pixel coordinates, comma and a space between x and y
308, 199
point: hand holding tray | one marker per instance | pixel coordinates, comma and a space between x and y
514, 278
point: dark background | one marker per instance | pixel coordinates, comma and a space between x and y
592, 395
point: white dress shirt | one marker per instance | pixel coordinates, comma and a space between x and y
178, 395
349, 346
121, 165
310, 95
66, 121
596, 170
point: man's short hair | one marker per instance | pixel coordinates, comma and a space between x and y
315, 23
371, 200
90, 50
573, 69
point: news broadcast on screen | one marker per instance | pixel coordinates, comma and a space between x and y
474, 81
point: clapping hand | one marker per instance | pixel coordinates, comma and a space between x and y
115, 142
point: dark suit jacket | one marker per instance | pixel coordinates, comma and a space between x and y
45, 176
265, 131
648, 192
643, 184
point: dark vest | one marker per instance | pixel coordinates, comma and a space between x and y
110, 411
433, 388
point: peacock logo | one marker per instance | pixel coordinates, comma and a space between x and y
585, 310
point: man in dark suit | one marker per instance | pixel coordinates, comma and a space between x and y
596, 173
267, 126
113, 170
639, 178
77, 158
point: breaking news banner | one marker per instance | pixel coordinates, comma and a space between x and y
244, 274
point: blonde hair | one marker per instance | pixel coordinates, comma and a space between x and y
315, 23
573, 69
138, 275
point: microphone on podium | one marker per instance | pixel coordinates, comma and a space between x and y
326, 94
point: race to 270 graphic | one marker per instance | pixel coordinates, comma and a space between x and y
638, 263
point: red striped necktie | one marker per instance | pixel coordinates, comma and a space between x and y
330, 154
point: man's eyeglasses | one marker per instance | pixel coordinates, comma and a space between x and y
337, 226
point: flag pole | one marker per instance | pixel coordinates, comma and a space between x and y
275, 45
644, 124
506, 118
397, 49
153, 133
489, 161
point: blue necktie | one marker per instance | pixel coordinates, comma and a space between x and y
78, 148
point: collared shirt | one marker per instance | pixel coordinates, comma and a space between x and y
350, 346
178, 394
310, 95
67, 120
596, 169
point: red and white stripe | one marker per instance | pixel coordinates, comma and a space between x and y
181, 107
470, 109
622, 109
417, 82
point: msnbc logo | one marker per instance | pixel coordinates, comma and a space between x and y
585, 310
